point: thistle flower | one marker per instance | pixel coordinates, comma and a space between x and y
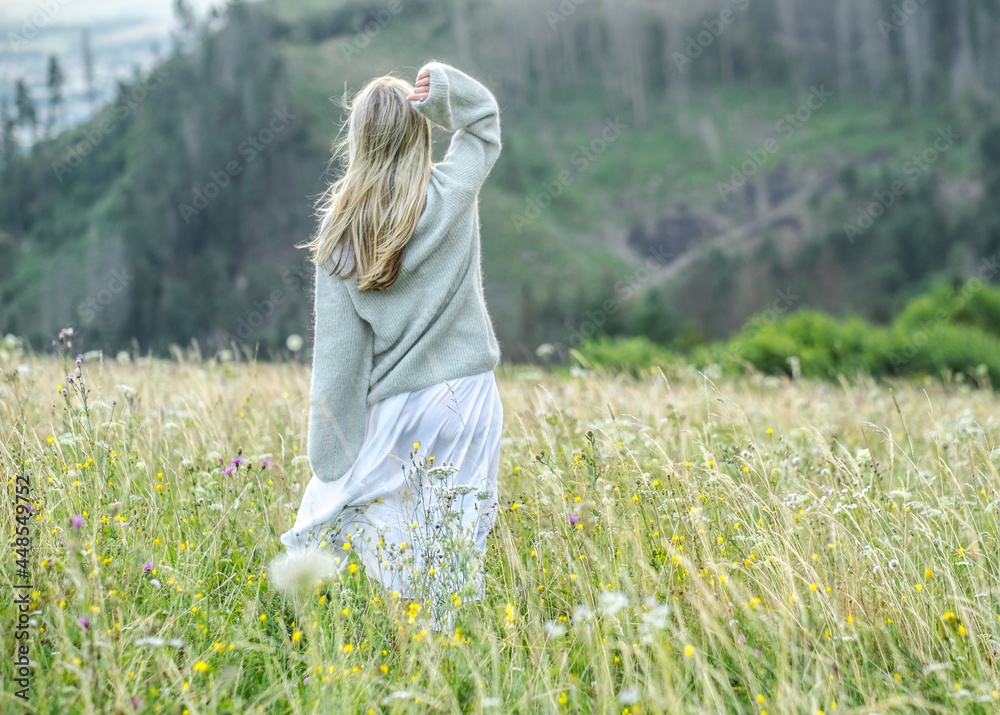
76, 520
147, 567
82, 620
574, 519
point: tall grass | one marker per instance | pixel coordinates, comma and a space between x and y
666, 544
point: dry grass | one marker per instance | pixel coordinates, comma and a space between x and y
732, 548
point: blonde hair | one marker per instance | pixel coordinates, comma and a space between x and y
375, 205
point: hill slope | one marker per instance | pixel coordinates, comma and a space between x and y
175, 212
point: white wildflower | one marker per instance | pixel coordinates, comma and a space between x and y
629, 695
298, 571
610, 603
554, 629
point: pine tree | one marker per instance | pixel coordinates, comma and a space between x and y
27, 115
88, 66
55, 81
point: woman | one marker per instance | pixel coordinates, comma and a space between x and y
405, 418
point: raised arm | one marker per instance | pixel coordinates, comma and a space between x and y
342, 362
458, 103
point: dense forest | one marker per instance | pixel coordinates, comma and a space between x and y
770, 154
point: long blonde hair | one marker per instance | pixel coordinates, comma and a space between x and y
375, 205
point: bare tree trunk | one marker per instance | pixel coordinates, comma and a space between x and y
875, 46
625, 32
674, 16
963, 71
789, 38
915, 51
844, 30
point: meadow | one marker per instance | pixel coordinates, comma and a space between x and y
666, 544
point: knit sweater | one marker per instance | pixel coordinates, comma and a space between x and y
432, 324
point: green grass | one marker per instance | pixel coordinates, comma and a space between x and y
778, 546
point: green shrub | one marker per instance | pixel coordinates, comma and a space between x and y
631, 354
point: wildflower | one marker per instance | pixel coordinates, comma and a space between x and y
76, 521
292, 572
84, 623
629, 695
610, 603
201, 666
573, 519
688, 651
554, 629
147, 567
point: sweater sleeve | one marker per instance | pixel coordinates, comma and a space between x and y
460, 104
342, 363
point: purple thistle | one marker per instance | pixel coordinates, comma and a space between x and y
136, 702
236, 461
82, 620
265, 463
573, 519
228, 470
756, 652
76, 520
147, 567
741, 639
221, 460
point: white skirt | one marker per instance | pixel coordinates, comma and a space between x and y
421, 498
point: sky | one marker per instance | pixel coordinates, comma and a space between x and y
125, 34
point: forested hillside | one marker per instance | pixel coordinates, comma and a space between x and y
669, 168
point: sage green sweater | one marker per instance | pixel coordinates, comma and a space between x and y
432, 324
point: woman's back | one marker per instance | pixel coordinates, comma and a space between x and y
432, 324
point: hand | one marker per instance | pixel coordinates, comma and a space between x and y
423, 86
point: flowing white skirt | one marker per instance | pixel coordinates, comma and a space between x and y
421, 498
